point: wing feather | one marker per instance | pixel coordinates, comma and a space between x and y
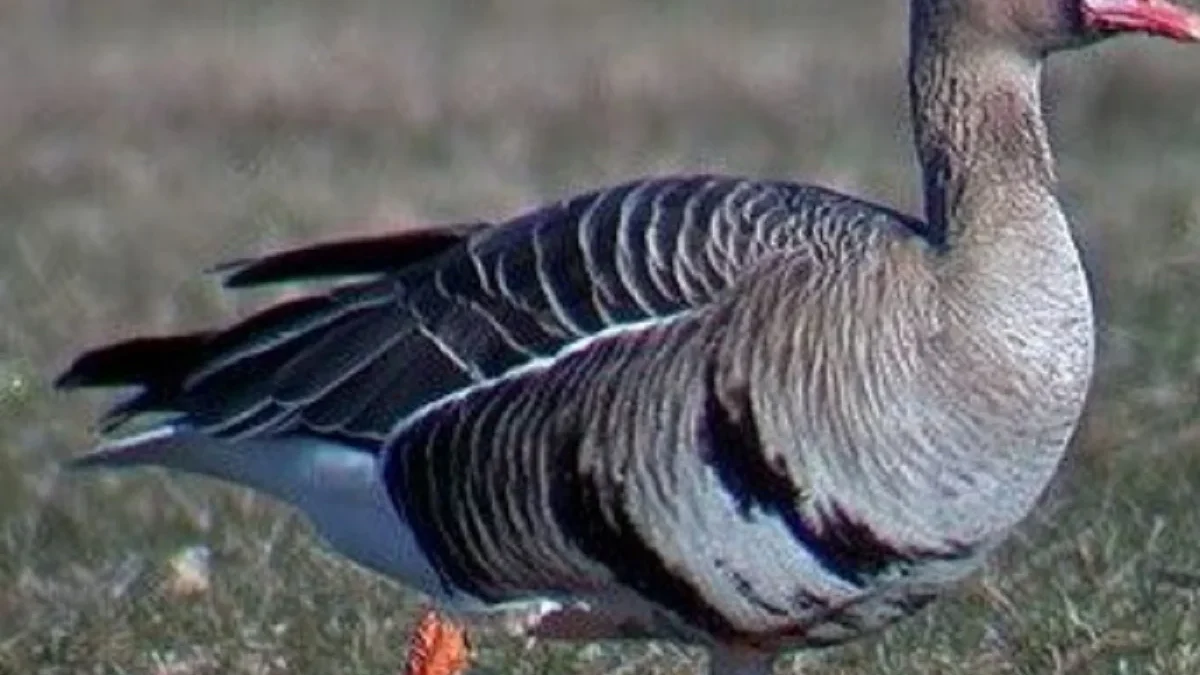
445, 310
340, 354
351, 257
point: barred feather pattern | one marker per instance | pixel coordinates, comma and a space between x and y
714, 409
773, 482
352, 363
752, 414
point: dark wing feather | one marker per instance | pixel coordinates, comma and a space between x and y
347, 257
446, 310
151, 362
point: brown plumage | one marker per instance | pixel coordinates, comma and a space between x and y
753, 415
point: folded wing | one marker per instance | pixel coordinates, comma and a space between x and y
436, 312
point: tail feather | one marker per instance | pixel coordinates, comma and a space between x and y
169, 369
159, 366
219, 387
338, 487
281, 468
165, 368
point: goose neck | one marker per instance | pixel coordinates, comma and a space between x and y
980, 134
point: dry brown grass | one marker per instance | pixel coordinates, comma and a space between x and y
142, 141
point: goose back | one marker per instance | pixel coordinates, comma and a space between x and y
352, 363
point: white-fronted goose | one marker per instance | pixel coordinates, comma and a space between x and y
754, 415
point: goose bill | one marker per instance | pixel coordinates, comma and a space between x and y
1155, 17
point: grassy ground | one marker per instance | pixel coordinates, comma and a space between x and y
142, 141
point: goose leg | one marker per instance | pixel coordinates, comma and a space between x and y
726, 661
437, 647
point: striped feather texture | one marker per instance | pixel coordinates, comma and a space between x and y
568, 405
750, 414
465, 307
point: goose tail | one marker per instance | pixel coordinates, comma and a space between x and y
337, 486
282, 468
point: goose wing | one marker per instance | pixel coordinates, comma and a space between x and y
442, 311
566, 405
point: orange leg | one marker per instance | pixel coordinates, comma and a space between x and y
437, 647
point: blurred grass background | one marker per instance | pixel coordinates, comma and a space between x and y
142, 141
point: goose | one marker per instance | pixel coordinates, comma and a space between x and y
752, 415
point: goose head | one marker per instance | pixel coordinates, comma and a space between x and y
1039, 27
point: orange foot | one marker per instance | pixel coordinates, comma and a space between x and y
437, 647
